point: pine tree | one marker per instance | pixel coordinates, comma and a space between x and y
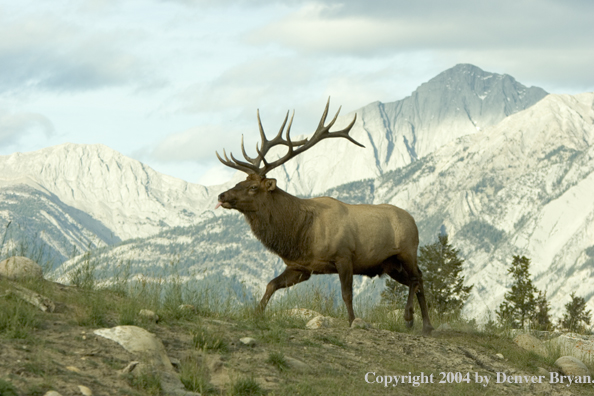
542, 320
576, 317
519, 304
443, 283
442, 279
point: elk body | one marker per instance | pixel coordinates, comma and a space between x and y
323, 235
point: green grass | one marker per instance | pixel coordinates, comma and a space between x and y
204, 339
277, 359
246, 386
7, 389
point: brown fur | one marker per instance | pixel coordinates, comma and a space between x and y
325, 236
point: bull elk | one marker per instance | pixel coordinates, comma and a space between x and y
323, 235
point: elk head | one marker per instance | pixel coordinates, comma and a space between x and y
245, 196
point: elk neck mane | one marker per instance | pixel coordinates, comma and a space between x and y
282, 223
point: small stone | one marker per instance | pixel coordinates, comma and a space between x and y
544, 372
52, 393
73, 369
130, 367
176, 363
302, 313
499, 356
531, 343
359, 323
149, 315
85, 391
319, 322
248, 341
572, 366
17, 267
296, 364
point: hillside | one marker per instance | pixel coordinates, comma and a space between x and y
202, 348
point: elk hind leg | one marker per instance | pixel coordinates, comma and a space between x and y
397, 273
416, 286
288, 278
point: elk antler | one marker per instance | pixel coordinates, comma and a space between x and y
253, 165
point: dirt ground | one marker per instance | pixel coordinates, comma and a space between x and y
60, 354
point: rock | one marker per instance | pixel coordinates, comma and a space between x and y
148, 315
52, 393
544, 372
36, 299
531, 343
444, 327
319, 322
359, 323
176, 363
572, 366
130, 367
576, 345
73, 369
302, 313
296, 364
248, 341
499, 356
150, 353
85, 391
17, 268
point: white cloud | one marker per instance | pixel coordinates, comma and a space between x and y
16, 126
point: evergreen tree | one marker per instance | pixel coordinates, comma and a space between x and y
542, 320
443, 283
576, 317
442, 279
519, 304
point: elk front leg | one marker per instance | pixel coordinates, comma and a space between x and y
345, 274
288, 278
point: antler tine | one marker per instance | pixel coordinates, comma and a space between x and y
239, 165
260, 166
247, 157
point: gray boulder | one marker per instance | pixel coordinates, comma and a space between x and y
17, 268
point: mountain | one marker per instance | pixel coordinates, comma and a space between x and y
459, 101
37, 224
523, 186
125, 196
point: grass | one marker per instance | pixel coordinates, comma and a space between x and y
7, 389
204, 339
246, 386
277, 359
194, 376
212, 327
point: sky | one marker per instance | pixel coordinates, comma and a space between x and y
169, 82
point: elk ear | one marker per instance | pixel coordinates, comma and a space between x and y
270, 184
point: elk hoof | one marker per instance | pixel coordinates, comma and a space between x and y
427, 330
410, 323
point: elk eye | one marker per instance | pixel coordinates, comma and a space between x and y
253, 188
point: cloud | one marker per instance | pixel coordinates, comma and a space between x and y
50, 53
16, 126
373, 28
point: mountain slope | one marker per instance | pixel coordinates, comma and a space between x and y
523, 187
458, 102
127, 197
37, 224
